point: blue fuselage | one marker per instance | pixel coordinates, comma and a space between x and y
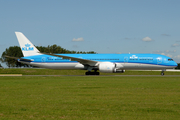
127, 61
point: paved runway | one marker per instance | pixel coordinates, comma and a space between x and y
16, 75
110, 75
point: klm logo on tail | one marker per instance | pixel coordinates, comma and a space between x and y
27, 48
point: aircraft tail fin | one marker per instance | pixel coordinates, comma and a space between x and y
27, 48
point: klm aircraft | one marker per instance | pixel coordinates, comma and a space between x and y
107, 63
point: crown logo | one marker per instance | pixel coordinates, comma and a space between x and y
27, 45
133, 57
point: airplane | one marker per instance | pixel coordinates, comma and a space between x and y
105, 63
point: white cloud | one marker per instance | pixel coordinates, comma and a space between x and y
118, 52
75, 46
174, 51
177, 57
127, 38
169, 51
165, 35
163, 52
175, 45
169, 55
147, 39
78, 39
157, 51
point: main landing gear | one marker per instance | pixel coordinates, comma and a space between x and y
92, 73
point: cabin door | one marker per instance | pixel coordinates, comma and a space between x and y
159, 60
43, 59
125, 59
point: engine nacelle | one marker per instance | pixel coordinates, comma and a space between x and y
108, 67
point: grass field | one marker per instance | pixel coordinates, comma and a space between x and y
31, 71
92, 97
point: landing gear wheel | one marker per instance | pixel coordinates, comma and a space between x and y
92, 73
96, 73
88, 73
162, 74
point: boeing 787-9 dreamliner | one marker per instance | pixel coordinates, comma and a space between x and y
107, 63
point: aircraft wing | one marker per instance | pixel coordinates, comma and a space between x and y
19, 59
80, 60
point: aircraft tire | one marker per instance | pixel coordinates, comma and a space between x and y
96, 73
162, 74
92, 73
87, 73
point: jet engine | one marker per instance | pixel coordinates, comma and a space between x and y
109, 67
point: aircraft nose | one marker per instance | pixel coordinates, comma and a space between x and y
175, 64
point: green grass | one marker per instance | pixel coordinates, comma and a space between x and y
31, 71
90, 97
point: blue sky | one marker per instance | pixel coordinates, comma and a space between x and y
103, 26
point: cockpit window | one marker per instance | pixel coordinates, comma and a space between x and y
170, 59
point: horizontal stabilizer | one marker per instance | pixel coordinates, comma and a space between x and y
19, 59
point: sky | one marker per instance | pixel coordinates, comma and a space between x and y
103, 26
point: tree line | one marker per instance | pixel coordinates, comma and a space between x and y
15, 51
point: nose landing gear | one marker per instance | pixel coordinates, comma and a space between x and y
162, 73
